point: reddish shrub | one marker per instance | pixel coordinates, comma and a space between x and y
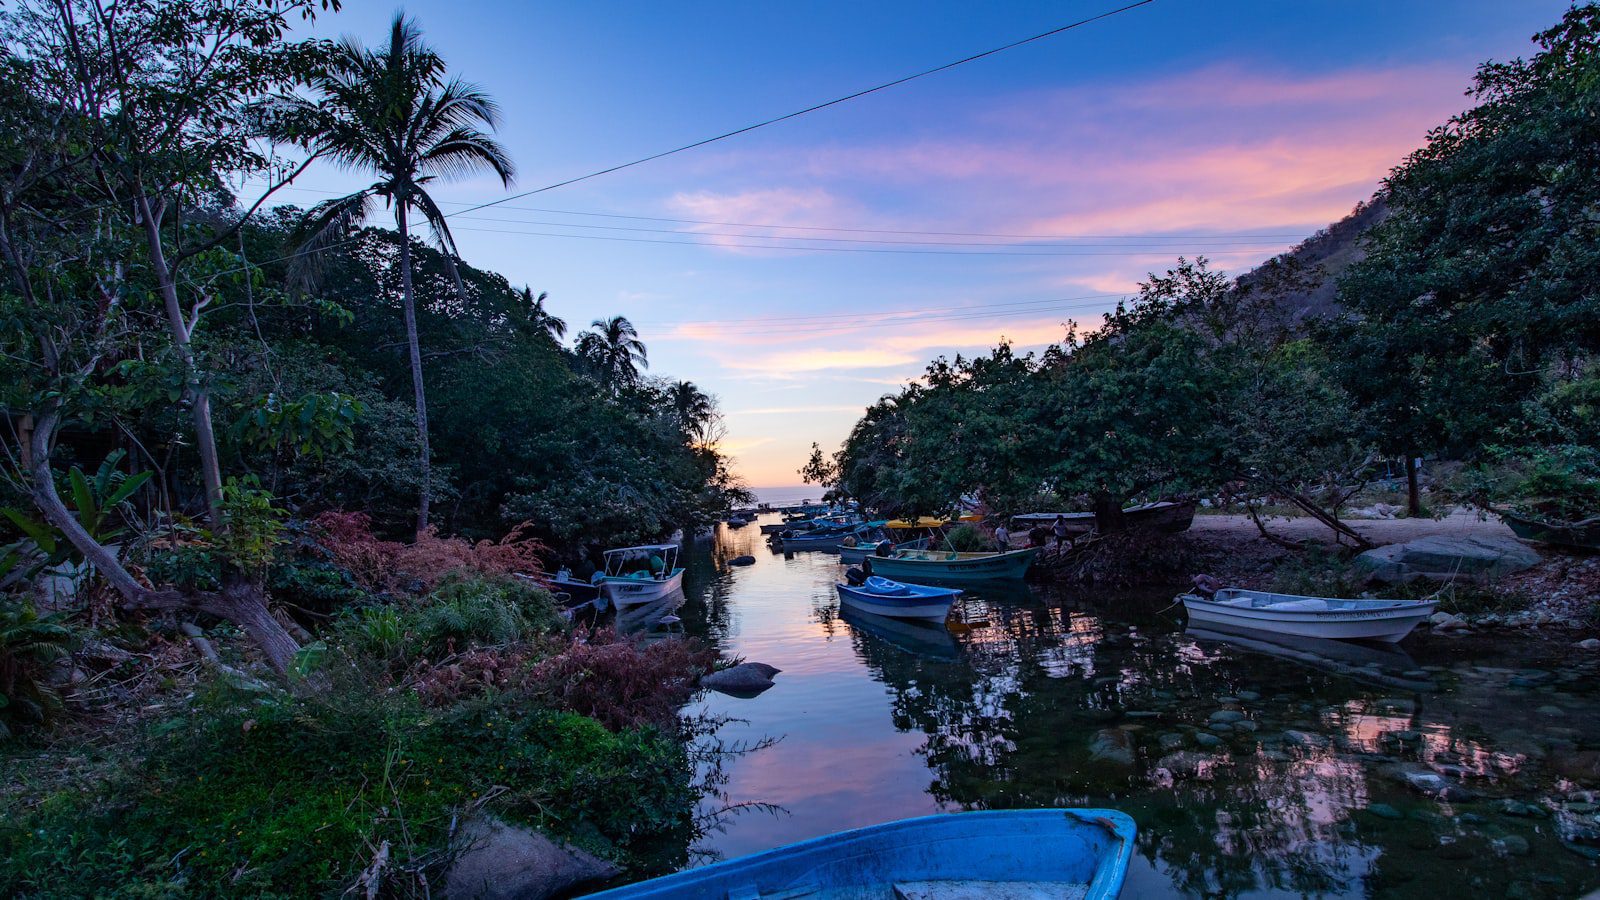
478, 670
621, 682
391, 565
348, 538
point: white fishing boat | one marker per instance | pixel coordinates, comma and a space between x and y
1387, 621
642, 574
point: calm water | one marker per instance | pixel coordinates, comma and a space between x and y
1252, 769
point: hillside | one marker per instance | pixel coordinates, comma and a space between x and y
1321, 257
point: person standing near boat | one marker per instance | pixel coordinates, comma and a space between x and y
1002, 536
1060, 530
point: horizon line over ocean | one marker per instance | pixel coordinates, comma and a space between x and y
784, 495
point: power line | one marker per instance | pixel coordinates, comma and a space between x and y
810, 109
1152, 251
816, 329
1215, 236
837, 240
882, 313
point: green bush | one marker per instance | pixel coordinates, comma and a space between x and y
481, 610
29, 644
965, 538
289, 797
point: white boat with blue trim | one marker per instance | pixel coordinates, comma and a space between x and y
1387, 621
883, 597
641, 574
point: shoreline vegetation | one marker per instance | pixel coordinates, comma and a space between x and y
280, 489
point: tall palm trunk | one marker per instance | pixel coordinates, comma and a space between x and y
414, 350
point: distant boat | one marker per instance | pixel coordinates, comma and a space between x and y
1164, 515
1032, 853
1583, 535
883, 597
625, 585
917, 565
1387, 621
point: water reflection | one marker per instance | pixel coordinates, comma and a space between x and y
1253, 768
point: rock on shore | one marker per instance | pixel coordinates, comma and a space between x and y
1445, 557
504, 862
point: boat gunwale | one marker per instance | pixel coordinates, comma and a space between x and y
1105, 883
1365, 605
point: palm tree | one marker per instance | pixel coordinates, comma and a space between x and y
615, 352
555, 326
693, 409
392, 112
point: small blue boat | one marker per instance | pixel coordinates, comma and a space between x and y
883, 597
1033, 853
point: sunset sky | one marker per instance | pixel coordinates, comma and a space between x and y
1224, 128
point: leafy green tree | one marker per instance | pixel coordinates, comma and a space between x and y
391, 111
1482, 287
117, 228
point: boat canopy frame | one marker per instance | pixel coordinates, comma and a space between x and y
619, 557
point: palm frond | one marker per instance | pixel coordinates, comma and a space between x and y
324, 225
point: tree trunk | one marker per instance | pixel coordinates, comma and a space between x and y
1413, 490
199, 397
243, 604
414, 349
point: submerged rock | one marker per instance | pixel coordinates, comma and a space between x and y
502, 862
1385, 811
1444, 557
742, 561
1112, 745
743, 680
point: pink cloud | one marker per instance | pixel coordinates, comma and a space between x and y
1221, 148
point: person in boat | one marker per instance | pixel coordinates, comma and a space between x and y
1002, 537
1038, 536
1206, 586
1060, 531
657, 565
884, 548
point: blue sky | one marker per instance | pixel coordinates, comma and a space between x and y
1225, 128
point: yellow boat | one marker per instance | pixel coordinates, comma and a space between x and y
930, 522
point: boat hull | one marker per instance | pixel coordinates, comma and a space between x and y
1008, 565
1164, 516
931, 607
1577, 537
1061, 852
1388, 626
630, 591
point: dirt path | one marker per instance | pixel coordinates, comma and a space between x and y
1379, 531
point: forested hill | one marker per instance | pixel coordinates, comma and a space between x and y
1320, 259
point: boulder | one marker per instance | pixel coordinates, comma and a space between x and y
502, 862
742, 561
1445, 557
742, 680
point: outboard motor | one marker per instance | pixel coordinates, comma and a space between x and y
855, 577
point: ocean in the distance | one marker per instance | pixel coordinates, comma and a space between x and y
788, 496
